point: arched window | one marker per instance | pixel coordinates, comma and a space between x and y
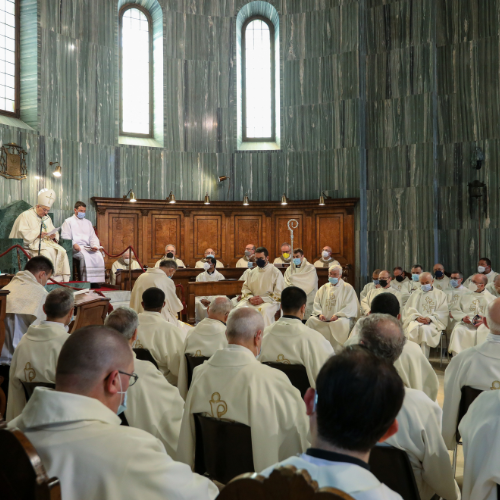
136, 71
258, 86
9, 57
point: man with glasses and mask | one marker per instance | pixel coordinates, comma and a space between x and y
370, 286
170, 251
262, 288
484, 267
77, 433
209, 255
384, 281
249, 251
285, 257
326, 259
401, 284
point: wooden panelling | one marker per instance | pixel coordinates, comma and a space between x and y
282, 233
165, 229
123, 231
247, 230
207, 234
330, 232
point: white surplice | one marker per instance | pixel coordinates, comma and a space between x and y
470, 304
154, 277
233, 385
82, 233
200, 263
155, 406
326, 263
34, 360
366, 303
27, 227
481, 439
339, 300
432, 305
453, 296
291, 342
368, 287
477, 367
177, 261
306, 278
164, 340
120, 265
404, 288
491, 277
82, 443
419, 434
442, 284
200, 309
491, 288
267, 283
243, 262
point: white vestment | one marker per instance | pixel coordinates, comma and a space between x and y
243, 262
82, 233
442, 284
289, 341
34, 360
243, 277
120, 265
81, 442
353, 479
432, 305
491, 288
201, 262
491, 277
27, 227
233, 385
281, 261
24, 308
200, 309
368, 287
453, 296
208, 336
481, 438
155, 406
404, 288
306, 278
266, 283
463, 335
164, 340
177, 261
339, 300
477, 367
154, 277
419, 434
366, 303
326, 263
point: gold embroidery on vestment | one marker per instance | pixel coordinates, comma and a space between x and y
29, 372
218, 407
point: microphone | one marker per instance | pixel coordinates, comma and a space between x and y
40, 235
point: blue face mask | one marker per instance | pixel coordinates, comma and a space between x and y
415, 277
250, 265
210, 256
297, 262
426, 288
333, 281
123, 406
375, 282
81, 215
454, 283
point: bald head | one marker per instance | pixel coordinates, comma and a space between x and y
426, 279
244, 327
480, 279
493, 317
219, 309
383, 335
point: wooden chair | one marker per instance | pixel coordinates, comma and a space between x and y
192, 363
392, 467
284, 483
296, 373
29, 387
223, 448
22, 475
90, 309
145, 355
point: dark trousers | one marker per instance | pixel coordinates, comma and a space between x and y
4, 372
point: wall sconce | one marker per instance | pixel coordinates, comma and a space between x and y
57, 172
245, 201
284, 201
207, 199
322, 199
130, 196
223, 178
171, 198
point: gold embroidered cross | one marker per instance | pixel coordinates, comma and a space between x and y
429, 305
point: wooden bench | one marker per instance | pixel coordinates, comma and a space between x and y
90, 309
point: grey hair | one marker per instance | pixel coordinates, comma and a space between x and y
335, 266
170, 245
243, 324
169, 264
285, 245
59, 302
220, 306
492, 325
123, 320
377, 333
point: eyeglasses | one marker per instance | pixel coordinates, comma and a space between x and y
133, 377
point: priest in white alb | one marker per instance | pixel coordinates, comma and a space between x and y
209, 254
326, 260
34, 224
401, 284
484, 267
233, 385
123, 263
249, 251
262, 288
285, 257
425, 315
441, 281
384, 281
210, 274
291, 342
170, 253
494, 288
371, 285
336, 308
86, 245
453, 295
303, 274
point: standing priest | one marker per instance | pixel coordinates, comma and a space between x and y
86, 244
35, 222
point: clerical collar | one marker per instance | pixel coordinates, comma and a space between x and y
290, 316
208, 272
332, 456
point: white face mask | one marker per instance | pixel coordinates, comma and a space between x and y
127, 261
472, 286
206, 266
481, 269
325, 254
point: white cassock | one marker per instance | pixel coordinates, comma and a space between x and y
481, 438
24, 308
243, 262
281, 261
366, 303
464, 335
291, 342
267, 283
27, 227
200, 309
419, 434
352, 477
243, 277
413, 367
404, 288
453, 296
477, 367
442, 284
432, 305
306, 278
491, 288
491, 277
339, 300
208, 336
155, 406
154, 277
79, 438
368, 287
201, 263
120, 265
163, 340
34, 360
82, 233
233, 385
326, 263
177, 261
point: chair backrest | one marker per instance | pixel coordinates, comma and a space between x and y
223, 448
29, 387
392, 467
22, 475
296, 373
145, 355
285, 483
192, 363
468, 397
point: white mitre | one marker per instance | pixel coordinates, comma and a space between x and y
46, 197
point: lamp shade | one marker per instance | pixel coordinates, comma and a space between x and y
57, 172
284, 201
207, 199
245, 201
171, 197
